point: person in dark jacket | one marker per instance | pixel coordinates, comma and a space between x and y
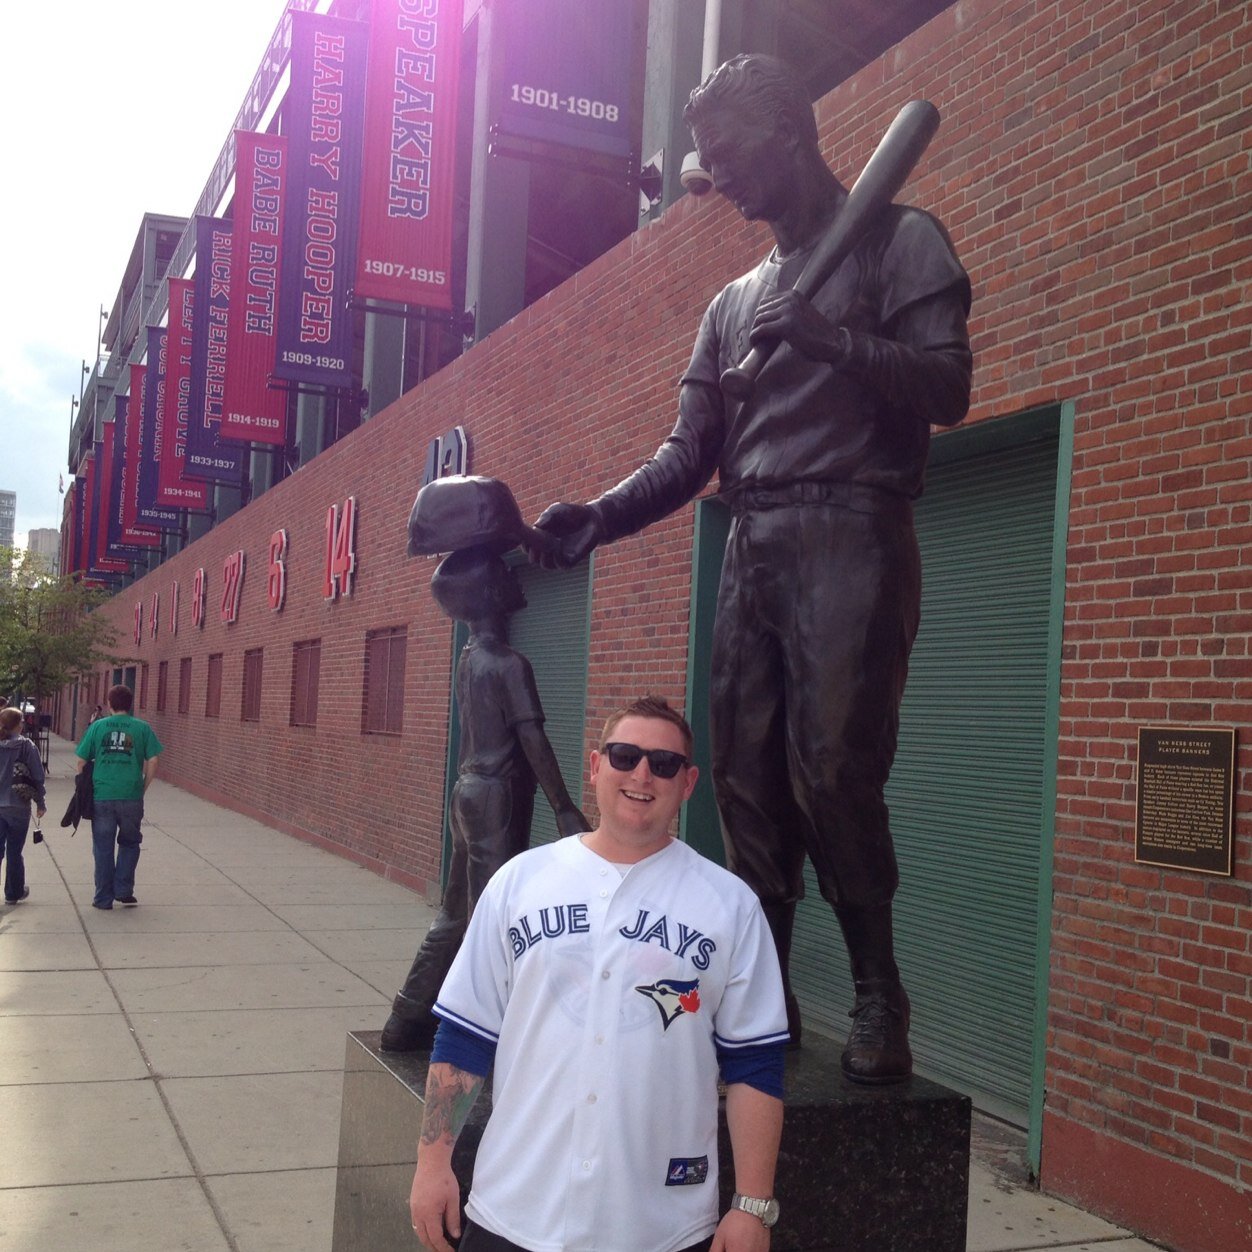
17, 756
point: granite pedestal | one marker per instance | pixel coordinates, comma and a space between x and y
862, 1169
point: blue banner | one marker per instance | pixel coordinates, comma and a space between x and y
325, 118
567, 69
208, 457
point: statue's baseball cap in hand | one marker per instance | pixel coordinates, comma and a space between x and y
468, 511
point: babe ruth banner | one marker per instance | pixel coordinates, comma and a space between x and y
152, 400
130, 438
253, 410
567, 72
324, 113
174, 488
405, 249
208, 457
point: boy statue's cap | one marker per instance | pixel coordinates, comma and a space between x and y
465, 511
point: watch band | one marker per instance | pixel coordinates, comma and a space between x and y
766, 1211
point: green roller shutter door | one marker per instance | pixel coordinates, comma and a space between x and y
551, 632
967, 792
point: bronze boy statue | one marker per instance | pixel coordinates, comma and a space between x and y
504, 751
820, 591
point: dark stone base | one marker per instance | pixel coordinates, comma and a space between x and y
862, 1169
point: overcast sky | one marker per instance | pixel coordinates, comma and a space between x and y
111, 110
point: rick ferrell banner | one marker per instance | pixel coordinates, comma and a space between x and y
325, 113
567, 73
254, 411
174, 488
207, 456
405, 251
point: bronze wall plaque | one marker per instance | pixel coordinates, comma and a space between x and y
1184, 815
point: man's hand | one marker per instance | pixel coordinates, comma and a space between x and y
740, 1232
789, 316
40, 812
577, 528
435, 1201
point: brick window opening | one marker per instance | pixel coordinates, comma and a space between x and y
250, 711
306, 664
184, 685
163, 683
143, 686
213, 693
384, 681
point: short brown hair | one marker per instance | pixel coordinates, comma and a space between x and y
649, 706
10, 720
761, 85
120, 699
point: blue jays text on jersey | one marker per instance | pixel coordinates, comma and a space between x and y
550, 923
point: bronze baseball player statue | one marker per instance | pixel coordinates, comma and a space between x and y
820, 462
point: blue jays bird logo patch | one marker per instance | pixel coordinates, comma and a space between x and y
673, 997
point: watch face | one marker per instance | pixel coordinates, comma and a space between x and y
770, 1216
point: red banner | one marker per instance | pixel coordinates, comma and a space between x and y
132, 530
173, 488
405, 248
92, 547
105, 505
253, 410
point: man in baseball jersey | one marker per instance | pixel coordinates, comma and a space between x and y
610, 978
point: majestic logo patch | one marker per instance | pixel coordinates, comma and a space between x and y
673, 997
686, 1171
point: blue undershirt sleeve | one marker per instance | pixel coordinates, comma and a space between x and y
759, 1067
467, 1051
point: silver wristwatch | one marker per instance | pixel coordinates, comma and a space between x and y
766, 1210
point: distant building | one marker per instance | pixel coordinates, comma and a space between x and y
45, 545
8, 512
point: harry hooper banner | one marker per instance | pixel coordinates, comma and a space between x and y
254, 411
405, 250
324, 111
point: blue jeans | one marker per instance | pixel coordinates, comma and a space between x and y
115, 820
14, 820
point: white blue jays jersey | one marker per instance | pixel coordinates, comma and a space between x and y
607, 997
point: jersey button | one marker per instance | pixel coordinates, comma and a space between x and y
591, 1099
604, 893
599, 1038
586, 1165
604, 973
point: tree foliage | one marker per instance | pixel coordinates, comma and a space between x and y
49, 633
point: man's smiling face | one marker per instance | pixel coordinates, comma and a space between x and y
636, 807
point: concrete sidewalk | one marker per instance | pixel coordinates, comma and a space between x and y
172, 1073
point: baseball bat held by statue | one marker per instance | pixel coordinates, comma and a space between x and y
884, 174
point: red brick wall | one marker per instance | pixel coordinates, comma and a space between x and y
1093, 170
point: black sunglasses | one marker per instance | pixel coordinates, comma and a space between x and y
663, 763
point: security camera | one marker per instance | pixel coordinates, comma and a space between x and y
694, 177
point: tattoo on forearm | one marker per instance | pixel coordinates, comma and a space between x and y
449, 1098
